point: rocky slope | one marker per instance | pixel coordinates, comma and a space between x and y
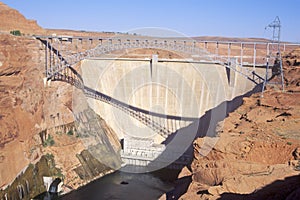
35, 120
257, 151
21, 102
26, 106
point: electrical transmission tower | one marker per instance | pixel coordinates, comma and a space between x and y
274, 54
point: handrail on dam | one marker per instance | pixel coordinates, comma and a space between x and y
70, 38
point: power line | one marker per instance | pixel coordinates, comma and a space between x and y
274, 53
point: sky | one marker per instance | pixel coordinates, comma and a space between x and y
228, 18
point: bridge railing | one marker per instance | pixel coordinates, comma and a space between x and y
100, 50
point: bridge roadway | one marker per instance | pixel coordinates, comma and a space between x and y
249, 53
112, 44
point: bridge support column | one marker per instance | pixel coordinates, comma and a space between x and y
153, 64
45, 81
231, 72
232, 77
49, 82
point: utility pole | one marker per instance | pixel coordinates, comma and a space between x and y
274, 54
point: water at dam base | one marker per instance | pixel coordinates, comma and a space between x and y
122, 186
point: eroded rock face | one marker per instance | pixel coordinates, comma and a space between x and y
21, 90
257, 150
21, 100
27, 107
291, 62
241, 164
296, 153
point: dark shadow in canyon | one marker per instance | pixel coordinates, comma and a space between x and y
277, 190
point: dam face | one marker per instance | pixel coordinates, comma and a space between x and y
170, 88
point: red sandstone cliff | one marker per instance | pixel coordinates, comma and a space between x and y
27, 107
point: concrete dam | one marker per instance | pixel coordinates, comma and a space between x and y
156, 106
176, 93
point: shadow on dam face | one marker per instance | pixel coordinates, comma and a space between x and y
207, 126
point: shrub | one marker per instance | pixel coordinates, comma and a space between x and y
70, 132
49, 142
15, 32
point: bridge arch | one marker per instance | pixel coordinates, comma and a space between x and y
110, 45
64, 71
179, 46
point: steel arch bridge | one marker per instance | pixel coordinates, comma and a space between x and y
60, 57
56, 61
63, 52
